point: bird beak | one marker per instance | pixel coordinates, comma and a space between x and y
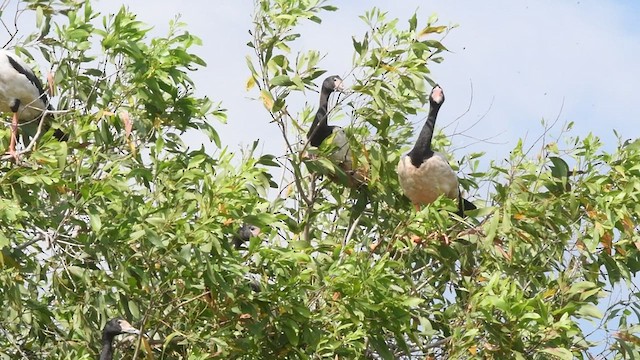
127, 328
340, 86
256, 231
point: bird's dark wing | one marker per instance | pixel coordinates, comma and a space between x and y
468, 205
32, 77
464, 205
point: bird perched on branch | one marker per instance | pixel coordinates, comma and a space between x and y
424, 174
21, 93
320, 131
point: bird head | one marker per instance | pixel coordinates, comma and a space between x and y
119, 326
247, 231
437, 95
332, 83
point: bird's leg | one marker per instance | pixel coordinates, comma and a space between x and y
417, 206
50, 82
446, 240
14, 132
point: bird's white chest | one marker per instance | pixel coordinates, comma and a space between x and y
424, 184
14, 85
342, 152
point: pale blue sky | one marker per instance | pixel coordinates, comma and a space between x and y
523, 57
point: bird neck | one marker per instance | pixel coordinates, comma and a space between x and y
107, 348
422, 149
320, 129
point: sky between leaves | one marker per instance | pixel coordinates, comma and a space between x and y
527, 60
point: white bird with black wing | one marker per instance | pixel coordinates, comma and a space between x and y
21, 93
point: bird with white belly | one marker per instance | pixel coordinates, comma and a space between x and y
21, 93
424, 174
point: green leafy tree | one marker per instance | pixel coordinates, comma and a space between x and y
126, 220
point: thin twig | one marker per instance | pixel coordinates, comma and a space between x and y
437, 343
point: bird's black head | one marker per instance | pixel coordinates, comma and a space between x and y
118, 326
437, 96
247, 231
332, 83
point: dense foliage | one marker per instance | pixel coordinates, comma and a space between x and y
126, 220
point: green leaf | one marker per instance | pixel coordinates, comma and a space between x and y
4, 241
291, 332
581, 286
413, 22
268, 160
76, 271
560, 353
381, 347
590, 311
281, 80
530, 316
560, 169
95, 222
412, 302
29, 180
156, 221
251, 82
133, 309
432, 29
267, 99
136, 235
498, 303
39, 16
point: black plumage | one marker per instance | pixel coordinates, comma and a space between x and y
320, 129
113, 328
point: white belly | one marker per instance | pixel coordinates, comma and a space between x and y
342, 153
14, 85
434, 177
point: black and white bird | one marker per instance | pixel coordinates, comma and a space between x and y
425, 174
320, 131
21, 93
113, 328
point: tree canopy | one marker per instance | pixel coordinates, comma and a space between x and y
125, 219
